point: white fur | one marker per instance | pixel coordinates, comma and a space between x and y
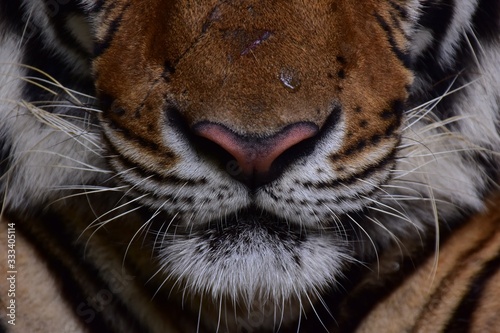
437, 158
43, 157
37, 20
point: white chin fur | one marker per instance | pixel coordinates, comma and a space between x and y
253, 262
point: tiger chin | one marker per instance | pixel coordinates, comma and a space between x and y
244, 162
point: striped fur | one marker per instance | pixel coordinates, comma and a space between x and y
128, 220
453, 292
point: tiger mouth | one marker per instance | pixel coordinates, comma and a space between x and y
253, 255
253, 219
247, 221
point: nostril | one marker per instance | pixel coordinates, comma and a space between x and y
254, 155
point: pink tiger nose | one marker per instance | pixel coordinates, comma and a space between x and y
255, 155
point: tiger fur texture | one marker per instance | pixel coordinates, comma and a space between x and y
249, 166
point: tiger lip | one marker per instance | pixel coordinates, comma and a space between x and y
254, 218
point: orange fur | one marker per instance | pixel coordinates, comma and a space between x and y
227, 59
427, 300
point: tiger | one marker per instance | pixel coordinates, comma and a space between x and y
249, 166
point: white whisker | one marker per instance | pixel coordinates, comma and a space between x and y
368, 236
97, 224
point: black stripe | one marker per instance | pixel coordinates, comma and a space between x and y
462, 318
10, 17
437, 18
486, 20
5, 157
130, 136
136, 191
437, 297
401, 10
97, 6
384, 164
489, 165
101, 46
402, 55
58, 15
361, 290
145, 173
339, 199
396, 22
497, 114
38, 55
63, 5
49, 233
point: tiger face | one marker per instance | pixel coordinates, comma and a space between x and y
235, 157
262, 129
